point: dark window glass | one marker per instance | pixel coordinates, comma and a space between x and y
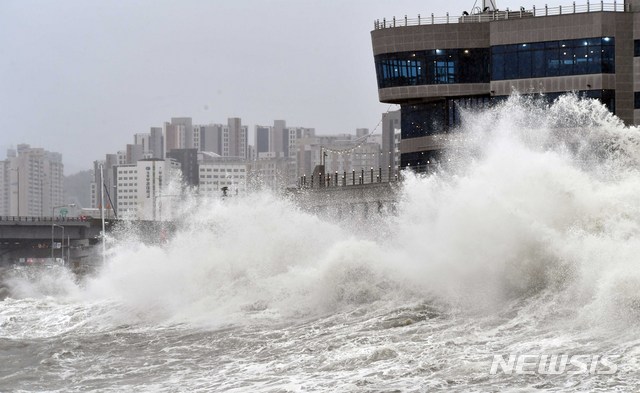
594, 63
421, 161
592, 41
524, 64
636, 48
537, 64
608, 59
636, 101
566, 60
498, 49
436, 117
580, 59
553, 58
423, 119
510, 66
553, 62
429, 67
497, 65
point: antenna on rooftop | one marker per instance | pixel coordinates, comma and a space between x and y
489, 6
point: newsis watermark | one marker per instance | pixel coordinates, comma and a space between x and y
554, 364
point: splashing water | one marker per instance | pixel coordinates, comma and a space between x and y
526, 242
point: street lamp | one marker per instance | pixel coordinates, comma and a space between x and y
53, 225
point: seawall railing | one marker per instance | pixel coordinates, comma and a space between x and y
506, 14
348, 179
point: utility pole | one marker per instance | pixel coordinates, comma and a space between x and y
104, 246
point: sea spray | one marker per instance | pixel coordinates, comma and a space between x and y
515, 220
523, 243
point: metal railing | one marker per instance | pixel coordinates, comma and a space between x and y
43, 219
349, 179
574, 8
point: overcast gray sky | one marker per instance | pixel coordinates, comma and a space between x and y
80, 77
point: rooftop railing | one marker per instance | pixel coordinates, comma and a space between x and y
503, 14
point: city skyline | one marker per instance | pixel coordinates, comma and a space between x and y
83, 76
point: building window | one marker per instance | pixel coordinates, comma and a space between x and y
435, 117
421, 161
553, 58
432, 67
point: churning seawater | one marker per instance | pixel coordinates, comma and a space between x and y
526, 243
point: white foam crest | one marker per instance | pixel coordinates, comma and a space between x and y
41, 282
256, 255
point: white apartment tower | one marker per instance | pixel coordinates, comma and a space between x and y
31, 182
148, 190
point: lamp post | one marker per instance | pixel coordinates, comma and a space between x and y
103, 233
53, 225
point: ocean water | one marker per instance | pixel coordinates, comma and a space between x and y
525, 243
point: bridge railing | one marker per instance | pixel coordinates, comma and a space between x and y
43, 219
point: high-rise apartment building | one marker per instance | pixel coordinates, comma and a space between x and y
135, 153
172, 137
156, 142
4, 187
185, 128
31, 182
262, 139
235, 138
211, 138
122, 157
278, 137
179, 134
142, 139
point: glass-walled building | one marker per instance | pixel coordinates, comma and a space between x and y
432, 67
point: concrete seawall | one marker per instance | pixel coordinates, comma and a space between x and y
359, 201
